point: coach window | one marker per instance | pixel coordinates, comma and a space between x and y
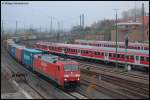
95, 53
113, 55
142, 58
86, 51
118, 55
137, 57
98, 53
122, 56
127, 57
147, 58
102, 54
110, 54
74, 50
82, 51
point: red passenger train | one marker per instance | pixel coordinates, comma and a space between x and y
134, 57
138, 46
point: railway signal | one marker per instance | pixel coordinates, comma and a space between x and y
126, 46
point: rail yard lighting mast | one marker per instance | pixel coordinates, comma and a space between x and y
116, 40
126, 46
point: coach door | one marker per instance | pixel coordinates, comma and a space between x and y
137, 59
106, 55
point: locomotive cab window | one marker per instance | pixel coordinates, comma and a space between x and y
70, 67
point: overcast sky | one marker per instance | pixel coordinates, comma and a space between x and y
38, 13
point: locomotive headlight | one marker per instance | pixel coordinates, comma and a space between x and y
77, 75
65, 79
66, 75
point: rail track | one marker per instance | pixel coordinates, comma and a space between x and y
123, 84
134, 88
116, 90
105, 68
13, 67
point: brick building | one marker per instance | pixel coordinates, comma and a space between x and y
133, 29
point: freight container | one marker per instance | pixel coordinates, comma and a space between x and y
27, 56
18, 52
9, 48
9, 41
13, 49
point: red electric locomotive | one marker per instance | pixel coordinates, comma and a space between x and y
62, 71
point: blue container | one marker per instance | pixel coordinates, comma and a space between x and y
13, 50
27, 56
9, 48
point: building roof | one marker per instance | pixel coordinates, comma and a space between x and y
129, 23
